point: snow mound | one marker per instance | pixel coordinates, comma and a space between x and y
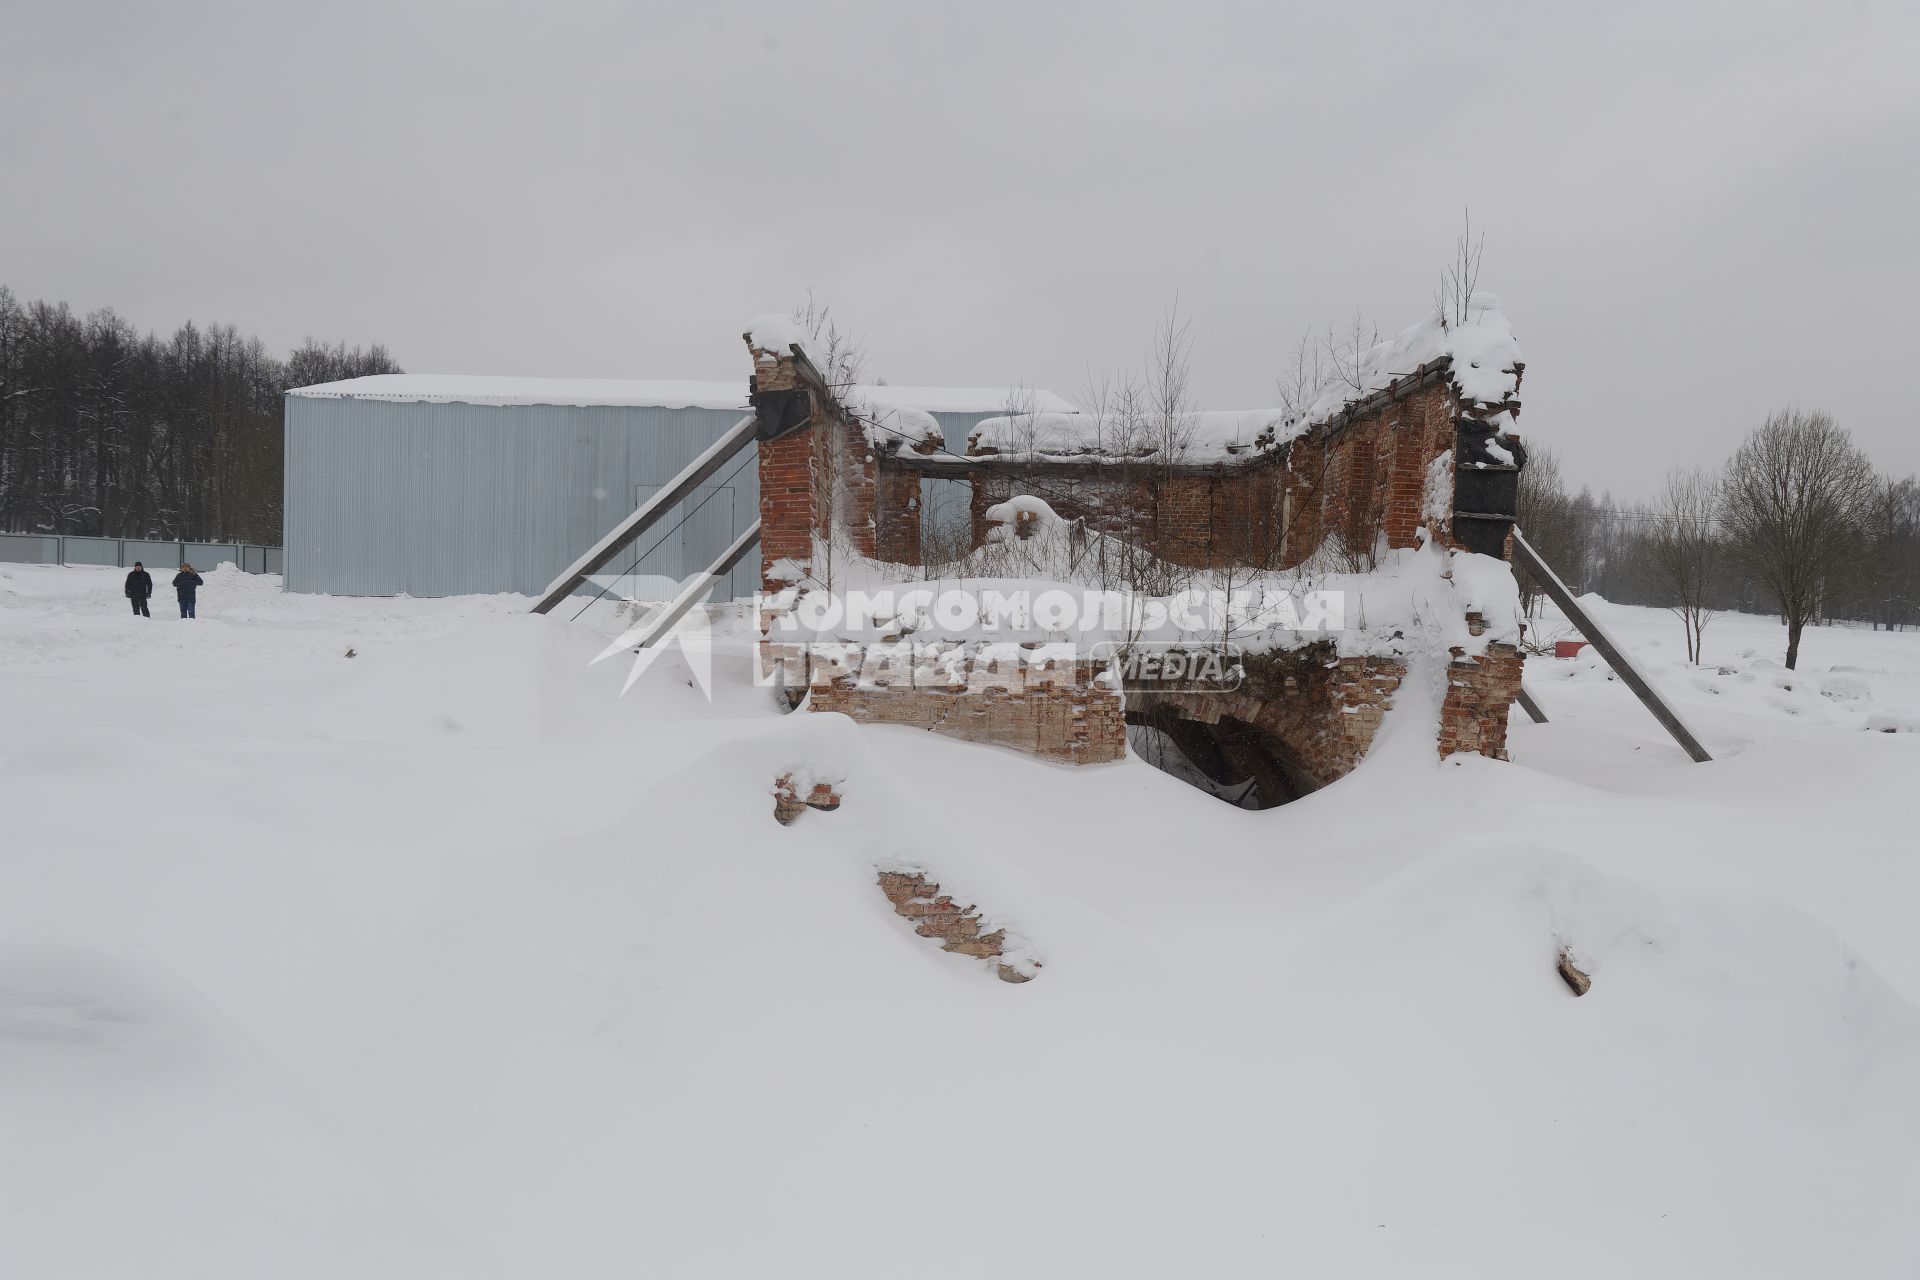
144, 1136
518, 679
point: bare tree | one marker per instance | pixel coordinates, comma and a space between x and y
1793, 501
1887, 587
1452, 303
1168, 386
845, 357
1347, 350
1684, 549
1299, 385
1551, 521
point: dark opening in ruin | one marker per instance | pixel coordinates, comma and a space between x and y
1240, 763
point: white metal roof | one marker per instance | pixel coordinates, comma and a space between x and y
447, 388
441, 388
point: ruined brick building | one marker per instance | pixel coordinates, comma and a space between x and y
1417, 461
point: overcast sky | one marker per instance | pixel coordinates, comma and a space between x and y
1692, 213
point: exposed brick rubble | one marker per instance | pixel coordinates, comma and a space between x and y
1577, 979
792, 797
958, 929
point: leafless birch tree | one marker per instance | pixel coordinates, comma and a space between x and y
1685, 548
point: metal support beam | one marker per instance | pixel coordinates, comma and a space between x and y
693, 593
1532, 708
1529, 559
604, 552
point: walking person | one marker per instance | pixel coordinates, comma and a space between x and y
139, 587
185, 583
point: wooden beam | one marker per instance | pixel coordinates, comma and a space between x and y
1529, 559
1532, 708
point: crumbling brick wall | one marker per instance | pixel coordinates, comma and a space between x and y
896, 516
819, 482
1481, 691
1199, 517
1362, 477
1359, 477
1072, 716
1320, 711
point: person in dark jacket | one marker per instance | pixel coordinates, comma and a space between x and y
185, 583
139, 587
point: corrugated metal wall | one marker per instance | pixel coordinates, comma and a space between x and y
946, 506
388, 497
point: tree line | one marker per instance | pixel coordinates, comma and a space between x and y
110, 432
1798, 523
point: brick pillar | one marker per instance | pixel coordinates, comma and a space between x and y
897, 513
988, 489
1481, 692
787, 474
786, 503
1302, 500
853, 473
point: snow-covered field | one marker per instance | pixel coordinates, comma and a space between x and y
445, 961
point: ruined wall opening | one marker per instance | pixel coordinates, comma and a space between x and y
1236, 762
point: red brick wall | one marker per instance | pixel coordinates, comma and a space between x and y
819, 479
1072, 718
1481, 692
1364, 477
786, 503
1320, 710
1201, 519
1323, 712
897, 513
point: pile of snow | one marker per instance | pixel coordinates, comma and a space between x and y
779, 332
287, 993
888, 422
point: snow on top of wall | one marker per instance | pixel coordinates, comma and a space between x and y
888, 421
778, 332
1207, 435
439, 388
1482, 349
1484, 369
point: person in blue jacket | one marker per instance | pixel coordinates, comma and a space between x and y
185, 583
